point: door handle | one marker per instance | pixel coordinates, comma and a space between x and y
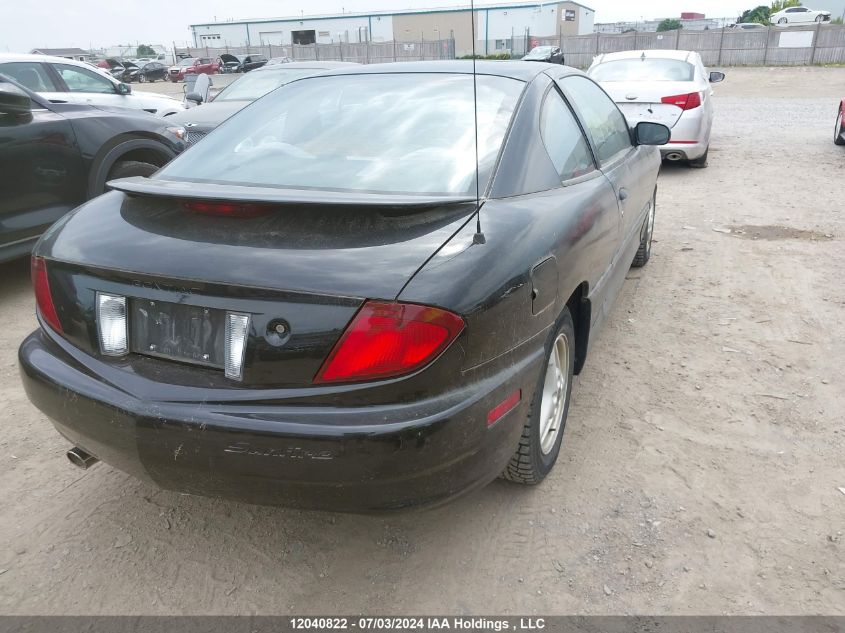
623, 194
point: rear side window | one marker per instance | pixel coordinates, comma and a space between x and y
605, 123
643, 69
83, 80
32, 75
564, 141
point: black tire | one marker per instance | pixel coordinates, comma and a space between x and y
819, 18
839, 130
646, 237
142, 79
529, 464
701, 161
128, 168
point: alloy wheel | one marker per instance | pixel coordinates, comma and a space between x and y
555, 388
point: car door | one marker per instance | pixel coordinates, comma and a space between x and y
591, 244
87, 87
42, 174
623, 164
35, 76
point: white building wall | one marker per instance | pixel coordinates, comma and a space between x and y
586, 21
278, 33
540, 21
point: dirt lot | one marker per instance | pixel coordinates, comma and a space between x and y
700, 467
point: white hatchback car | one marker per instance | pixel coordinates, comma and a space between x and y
60, 80
664, 86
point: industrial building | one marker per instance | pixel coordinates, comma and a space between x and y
497, 27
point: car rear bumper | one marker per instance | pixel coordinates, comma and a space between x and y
327, 457
690, 136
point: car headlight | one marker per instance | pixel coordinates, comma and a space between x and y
178, 132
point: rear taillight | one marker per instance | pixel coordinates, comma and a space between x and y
43, 298
385, 340
229, 209
684, 102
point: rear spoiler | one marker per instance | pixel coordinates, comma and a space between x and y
191, 190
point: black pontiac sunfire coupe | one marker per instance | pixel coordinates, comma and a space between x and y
309, 307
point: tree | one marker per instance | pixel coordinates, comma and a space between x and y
145, 51
780, 5
759, 15
669, 24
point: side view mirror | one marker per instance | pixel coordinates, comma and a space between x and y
716, 77
195, 97
123, 89
13, 100
648, 133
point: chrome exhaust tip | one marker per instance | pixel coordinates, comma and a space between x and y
80, 458
674, 156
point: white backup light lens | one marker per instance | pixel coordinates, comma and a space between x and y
111, 324
237, 326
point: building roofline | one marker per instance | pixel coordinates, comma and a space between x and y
381, 14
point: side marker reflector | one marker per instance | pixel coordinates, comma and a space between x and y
507, 405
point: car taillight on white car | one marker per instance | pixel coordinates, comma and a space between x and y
688, 101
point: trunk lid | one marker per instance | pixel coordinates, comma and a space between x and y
307, 267
641, 101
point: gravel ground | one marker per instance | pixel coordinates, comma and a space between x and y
700, 467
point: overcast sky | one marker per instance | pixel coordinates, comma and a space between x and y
87, 23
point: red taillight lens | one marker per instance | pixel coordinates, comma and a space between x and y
385, 340
230, 209
684, 102
43, 298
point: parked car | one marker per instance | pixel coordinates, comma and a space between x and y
839, 128
54, 156
126, 72
252, 62
667, 86
240, 93
279, 60
229, 63
550, 54
799, 15
749, 26
60, 80
149, 72
314, 309
193, 65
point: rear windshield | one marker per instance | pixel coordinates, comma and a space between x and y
379, 133
648, 69
254, 85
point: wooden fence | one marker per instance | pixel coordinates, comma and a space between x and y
363, 53
772, 46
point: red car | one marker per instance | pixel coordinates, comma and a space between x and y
193, 66
839, 130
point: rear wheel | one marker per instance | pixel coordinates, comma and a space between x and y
839, 130
646, 237
701, 161
129, 168
542, 433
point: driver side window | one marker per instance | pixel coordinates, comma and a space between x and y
82, 80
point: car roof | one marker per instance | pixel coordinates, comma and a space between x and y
523, 71
658, 53
314, 64
24, 57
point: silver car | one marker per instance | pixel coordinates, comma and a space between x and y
665, 86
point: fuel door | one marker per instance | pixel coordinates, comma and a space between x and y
544, 282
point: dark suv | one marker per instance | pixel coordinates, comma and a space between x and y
55, 156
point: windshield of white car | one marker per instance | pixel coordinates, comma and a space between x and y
643, 69
257, 84
540, 52
397, 133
